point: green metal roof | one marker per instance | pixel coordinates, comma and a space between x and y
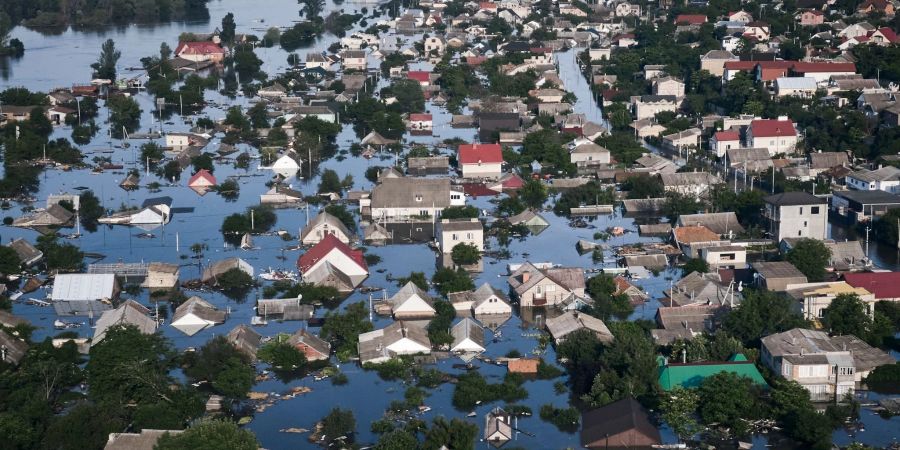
692, 375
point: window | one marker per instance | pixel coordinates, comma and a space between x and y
799, 232
469, 236
453, 236
805, 223
814, 210
801, 210
418, 198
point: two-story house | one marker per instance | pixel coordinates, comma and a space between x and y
463, 231
778, 136
885, 179
534, 286
796, 214
403, 198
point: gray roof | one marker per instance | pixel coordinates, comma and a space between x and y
27, 253
827, 160
701, 289
467, 329
484, 293
571, 321
886, 173
84, 287
869, 197
796, 83
719, 54
719, 223
428, 162
777, 269
408, 291
129, 313
200, 308
325, 218
794, 199
13, 347
145, 440
688, 178
8, 319
303, 336
219, 267
648, 261
800, 342
694, 318
411, 192
658, 98
528, 217
569, 278
246, 339
373, 345
461, 225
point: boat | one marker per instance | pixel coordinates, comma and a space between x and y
62, 325
278, 275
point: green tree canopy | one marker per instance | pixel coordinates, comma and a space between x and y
727, 399
210, 435
810, 256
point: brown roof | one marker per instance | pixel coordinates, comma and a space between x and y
524, 365
689, 234
623, 424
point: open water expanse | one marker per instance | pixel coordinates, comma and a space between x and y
59, 60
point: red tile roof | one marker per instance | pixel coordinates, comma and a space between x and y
202, 174
772, 128
813, 67
688, 235
199, 47
722, 136
487, 5
513, 182
480, 153
326, 246
475, 60
882, 284
690, 19
888, 34
740, 65
420, 117
419, 75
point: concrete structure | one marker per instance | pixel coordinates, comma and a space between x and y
406, 198
460, 231
778, 136
777, 275
796, 214
885, 179
825, 366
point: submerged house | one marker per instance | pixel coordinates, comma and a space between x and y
322, 225
244, 338
82, 294
535, 286
624, 424
195, 315
312, 346
468, 337
411, 302
691, 375
397, 339
572, 321
333, 263
129, 313
218, 268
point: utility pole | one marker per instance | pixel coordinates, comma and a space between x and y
252, 221
867, 239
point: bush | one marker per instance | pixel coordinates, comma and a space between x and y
465, 254
566, 419
472, 388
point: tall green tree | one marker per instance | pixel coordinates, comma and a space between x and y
679, 410
228, 29
210, 435
533, 194
760, 314
312, 8
810, 256
105, 67
728, 399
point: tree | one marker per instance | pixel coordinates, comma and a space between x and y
760, 314
223, 365
457, 434
643, 186
124, 113
418, 278
465, 254
847, 314
533, 194
448, 280
282, 355
105, 67
694, 265
312, 8
607, 304
210, 435
679, 407
338, 424
346, 217
228, 29
203, 161
397, 440
330, 182
234, 280
810, 256
63, 257
9, 261
625, 368
343, 329
727, 399
460, 212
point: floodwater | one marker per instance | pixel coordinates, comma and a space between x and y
63, 59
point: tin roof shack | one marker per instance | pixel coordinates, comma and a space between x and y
777, 275
572, 321
691, 375
411, 302
161, 276
322, 225
195, 315
280, 195
313, 347
53, 216
245, 339
81, 294
12, 349
701, 289
27, 253
145, 440
819, 362
397, 339
723, 223
624, 424
284, 309
129, 313
535, 222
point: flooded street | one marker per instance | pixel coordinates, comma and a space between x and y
54, 61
